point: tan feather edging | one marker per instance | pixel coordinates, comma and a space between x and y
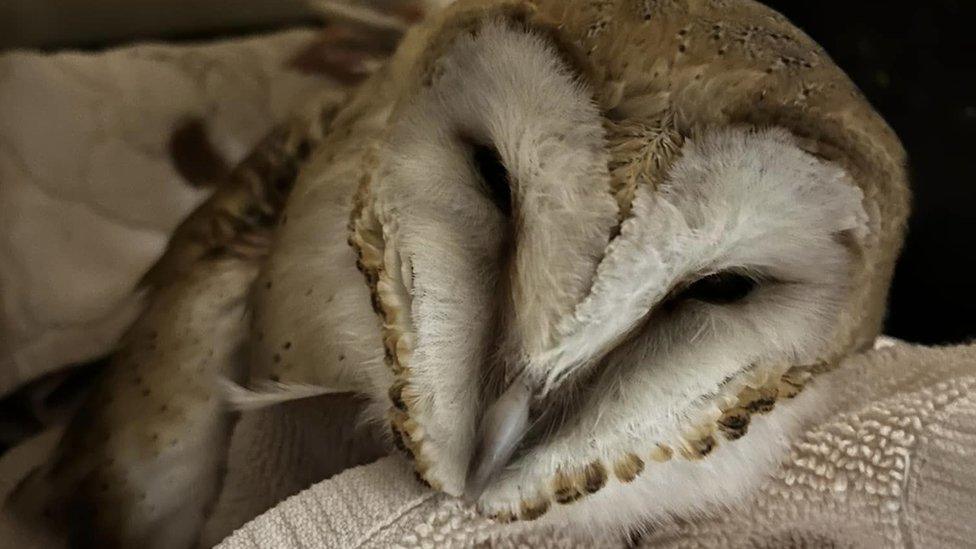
391, 301
756, 394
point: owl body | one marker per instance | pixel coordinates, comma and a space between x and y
568, 249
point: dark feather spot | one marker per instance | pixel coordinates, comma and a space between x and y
420, 478
532, 511
567, 494
734, 425
596, 477
762, 405
396, 396
398, 441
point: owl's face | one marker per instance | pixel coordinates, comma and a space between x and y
571, 296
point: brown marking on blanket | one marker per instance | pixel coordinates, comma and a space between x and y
194, 155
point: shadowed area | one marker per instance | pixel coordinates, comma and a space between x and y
914, 62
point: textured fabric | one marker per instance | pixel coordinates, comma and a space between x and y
892, 465
84, 141
381, 505
279, 451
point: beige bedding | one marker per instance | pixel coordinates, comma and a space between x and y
84, 141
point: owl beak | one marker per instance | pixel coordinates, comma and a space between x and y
502, 429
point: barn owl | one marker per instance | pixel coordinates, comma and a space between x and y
567, 248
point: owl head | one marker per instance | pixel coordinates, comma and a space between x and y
603, 236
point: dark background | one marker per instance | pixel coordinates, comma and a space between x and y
916, 62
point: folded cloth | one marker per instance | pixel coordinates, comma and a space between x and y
88, 191
892, 464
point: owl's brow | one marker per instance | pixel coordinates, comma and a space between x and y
668, 301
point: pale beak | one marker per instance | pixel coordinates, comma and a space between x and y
502, 429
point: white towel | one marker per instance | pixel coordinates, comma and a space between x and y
893, 464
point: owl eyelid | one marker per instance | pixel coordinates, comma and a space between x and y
724, 287
494, 175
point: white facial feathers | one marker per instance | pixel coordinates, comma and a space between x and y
735, 199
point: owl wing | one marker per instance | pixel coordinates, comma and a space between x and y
240, 215
141, 461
